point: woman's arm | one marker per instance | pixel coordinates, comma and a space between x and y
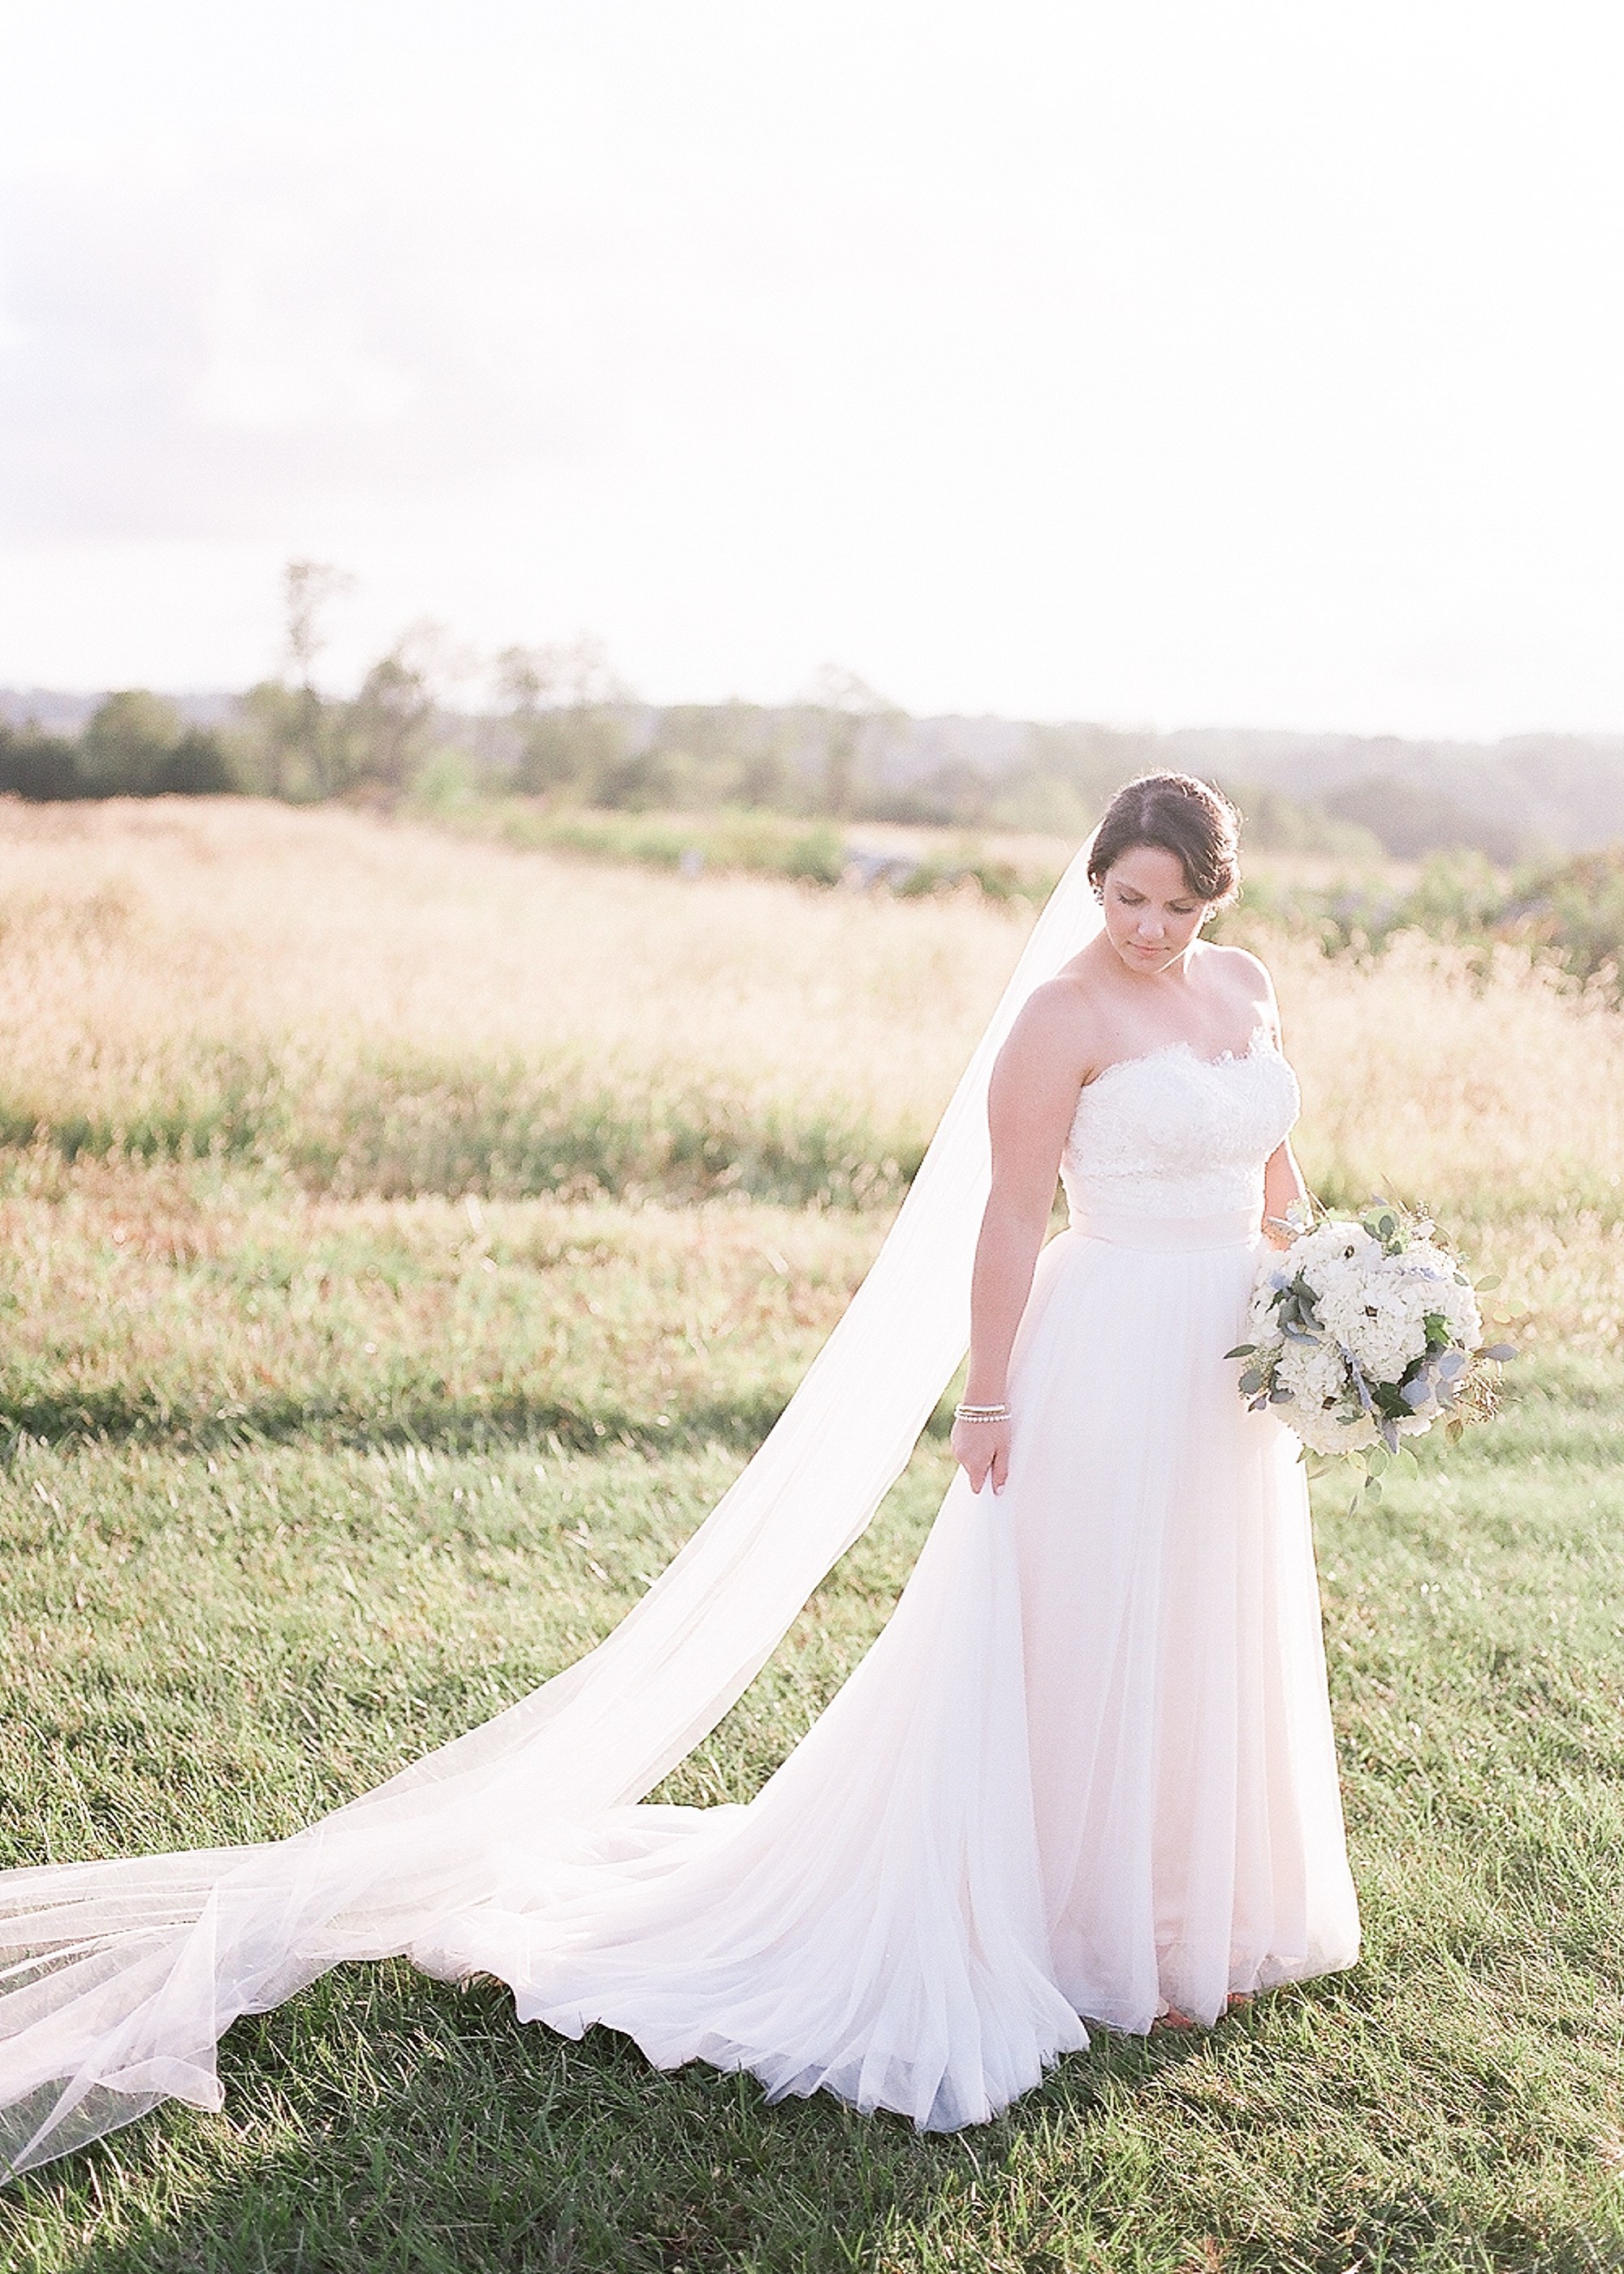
1030, 1106
1282, 1180
1282, 1183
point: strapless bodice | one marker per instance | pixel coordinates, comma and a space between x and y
1172, 1134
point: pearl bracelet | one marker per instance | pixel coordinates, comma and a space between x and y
982, 1413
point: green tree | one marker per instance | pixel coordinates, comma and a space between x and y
40, 768
568, 713
385, 733
271, 740
197, 766
1411, 820
126, 743
720, 754
386, 730
134, 745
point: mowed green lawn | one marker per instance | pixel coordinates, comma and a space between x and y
292, 1493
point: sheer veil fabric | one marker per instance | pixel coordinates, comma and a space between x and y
117, 1979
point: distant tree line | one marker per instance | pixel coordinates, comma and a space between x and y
564, 731
134, 745
557, 725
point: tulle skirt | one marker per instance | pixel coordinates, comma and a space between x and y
1086, 1771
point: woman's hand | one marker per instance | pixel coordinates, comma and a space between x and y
981, 1450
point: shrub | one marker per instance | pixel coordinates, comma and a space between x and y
196, 767
126, 743
42, 769
1573, 915
134, 745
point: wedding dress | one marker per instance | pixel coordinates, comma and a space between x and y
1087, 1769
1085, 1773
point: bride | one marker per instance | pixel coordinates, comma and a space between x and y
1086, 1773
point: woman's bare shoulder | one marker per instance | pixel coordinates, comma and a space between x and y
1059, 1021
1046, 1057
1235, 959
1238, 967
1067, 993
1070, 1000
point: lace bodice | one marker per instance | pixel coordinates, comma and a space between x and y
1173, 1134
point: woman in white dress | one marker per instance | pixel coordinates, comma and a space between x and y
1187, 1813
1087, 1772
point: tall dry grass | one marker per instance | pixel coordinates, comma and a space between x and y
1488, 1092
1493, 1096
389, 1010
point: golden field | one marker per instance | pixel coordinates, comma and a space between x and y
332, 1013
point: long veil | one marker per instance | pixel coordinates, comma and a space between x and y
117, 1979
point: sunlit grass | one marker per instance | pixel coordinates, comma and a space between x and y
207, 1646
201, 1301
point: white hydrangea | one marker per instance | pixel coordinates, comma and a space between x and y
1313, 1372
1447, 1293
1325, 1255
1379, 1316
1346, 1429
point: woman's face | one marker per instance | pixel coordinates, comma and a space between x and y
1151, 915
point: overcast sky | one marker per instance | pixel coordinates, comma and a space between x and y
1166, 361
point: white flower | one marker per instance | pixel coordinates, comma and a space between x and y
1316, 1373
1337, 1432
1458, 1308
1438, 1289
1327, 1255
1379, 1320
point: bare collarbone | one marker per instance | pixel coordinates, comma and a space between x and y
1218, 1012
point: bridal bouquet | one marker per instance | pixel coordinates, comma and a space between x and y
1365, 1330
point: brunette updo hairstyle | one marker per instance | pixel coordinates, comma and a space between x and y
1188, 818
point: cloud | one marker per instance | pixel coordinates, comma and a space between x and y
212, 356
1159, 362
